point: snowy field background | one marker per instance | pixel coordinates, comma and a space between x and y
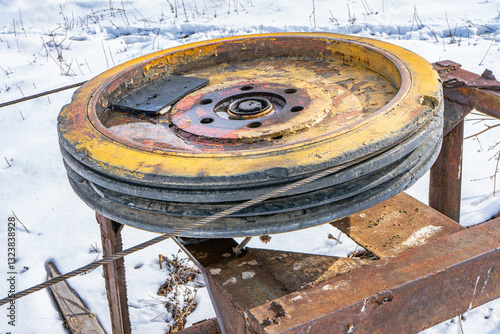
49, 44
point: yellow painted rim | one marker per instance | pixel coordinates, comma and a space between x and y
82, 135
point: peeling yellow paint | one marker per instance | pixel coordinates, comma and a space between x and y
79, 125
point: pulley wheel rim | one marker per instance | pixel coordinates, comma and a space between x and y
210, 195
278, 108
234, 226
97, 147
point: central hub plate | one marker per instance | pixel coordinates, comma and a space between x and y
251, 111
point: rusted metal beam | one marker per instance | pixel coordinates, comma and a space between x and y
396, 225
454, 114
430, 283
463, 92
258, 275
445, 188
209, 326
471, 90
114, 275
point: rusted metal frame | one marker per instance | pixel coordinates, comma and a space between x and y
208, 326
463, 92
445, 187
485, 101
480, 92
441, 275
237, 284
114, 275
431, 283
396, 225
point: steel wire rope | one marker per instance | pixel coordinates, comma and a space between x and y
177, 232
34, 96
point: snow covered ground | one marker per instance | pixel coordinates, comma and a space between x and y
45, 45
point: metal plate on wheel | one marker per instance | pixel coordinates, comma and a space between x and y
155, 97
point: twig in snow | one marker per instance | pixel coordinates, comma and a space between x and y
313, 15
20, 222
186, 20
460, 323
452, 36
243, 7
5, 71
87, 64
419, 23
333, 19
104, 51
477, 134
433, 34
481, 63
22, 24
368, 10
111, 55
20, 90
78, 64
124, 15
495, 174
7, 161
352, 18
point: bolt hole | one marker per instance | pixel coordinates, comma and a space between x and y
254, 125
290, 91
206, 120
246, 88
206, 101
278, 136
296, 108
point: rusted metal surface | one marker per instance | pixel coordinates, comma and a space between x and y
252, 113
463, 92
445, 188
157, 97
259, 275
209, 326
114, 275
474, 91
454, 114
396, 225
430, 283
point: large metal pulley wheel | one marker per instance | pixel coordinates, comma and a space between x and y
175, 136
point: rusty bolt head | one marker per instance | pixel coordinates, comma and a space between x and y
250, 106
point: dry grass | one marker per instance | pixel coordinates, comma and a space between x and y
180, 289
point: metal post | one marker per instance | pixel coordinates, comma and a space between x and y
445, 187
114, 275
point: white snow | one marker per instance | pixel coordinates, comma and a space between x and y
49, 44
247, 274
420, 237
